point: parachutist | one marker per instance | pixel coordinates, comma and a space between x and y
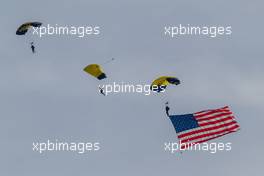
167, 109
32, 47
102, 91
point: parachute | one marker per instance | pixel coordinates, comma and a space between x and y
22, 30
95, 70
159, 84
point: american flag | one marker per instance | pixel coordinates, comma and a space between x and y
204, 125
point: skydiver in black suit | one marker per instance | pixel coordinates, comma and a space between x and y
32, 47
167, 108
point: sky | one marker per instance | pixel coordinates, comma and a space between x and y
47, 96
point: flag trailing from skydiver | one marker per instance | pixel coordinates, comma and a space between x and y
203, 126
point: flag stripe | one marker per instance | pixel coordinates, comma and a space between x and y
205, 128
203, 140
216, 130
226, 129
187, 137
213, 116
214, 119
199, 130
223, 120
208, 112
223, 108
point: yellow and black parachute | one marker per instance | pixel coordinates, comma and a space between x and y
160, 84
22, 30
95, 70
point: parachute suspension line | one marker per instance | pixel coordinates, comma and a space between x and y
108, 61
165, 97
30, 40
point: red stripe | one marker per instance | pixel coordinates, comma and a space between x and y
211, 113
215, 122
223, 108
206, 129
183, 147
211, 134
215, 116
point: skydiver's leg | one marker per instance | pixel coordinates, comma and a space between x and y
32, 48
167, 111
102, 92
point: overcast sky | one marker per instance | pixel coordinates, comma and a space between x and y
47, 95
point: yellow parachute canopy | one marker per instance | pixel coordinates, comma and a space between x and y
160, 84
22, 30
95, 70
